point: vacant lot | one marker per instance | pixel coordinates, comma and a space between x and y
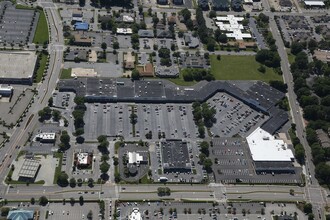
41, 35
240, 68
66, 74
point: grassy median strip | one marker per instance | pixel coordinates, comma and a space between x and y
41, 35
41, 68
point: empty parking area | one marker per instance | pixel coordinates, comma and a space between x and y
165, 120
17, 25
233, 116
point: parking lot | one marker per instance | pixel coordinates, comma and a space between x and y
59, 211
206, 211
234, 117
231, 158
17, 25
173, 121
16, 107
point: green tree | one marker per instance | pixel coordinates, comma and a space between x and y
135, 75
133, 118
33, 200
104, 167
72, 201
62, 179
56, 115
43, 201
4, 211
205, 148
50, 102
82, 3
101, 138
79, 100
65, 140
81, 200
308, 208
73, 182
208, 165
116, 45
90, 215
296, 47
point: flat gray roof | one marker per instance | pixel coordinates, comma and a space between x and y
29, 168
17, 65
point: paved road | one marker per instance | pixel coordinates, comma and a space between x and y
45, 89
297, 116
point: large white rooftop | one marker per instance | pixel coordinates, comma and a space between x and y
46, 136
134, 157
17, 65
230, 24
265, 147
124, 31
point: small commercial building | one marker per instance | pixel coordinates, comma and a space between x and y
29, 170
175, 156
135, 215
124, 31
314, 4
20, 215
46, 137
146, 33
77, 15
83, 160
6, 91
167, 71
82, 40
190, 41
81, 26
128, 19
135, 158
146, 70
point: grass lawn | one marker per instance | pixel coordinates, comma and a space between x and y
41, 34
291, 57
66, 74
42, 66
58, 169
240, 68
23, 7
179, 81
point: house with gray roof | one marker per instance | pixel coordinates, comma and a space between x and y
146, 33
